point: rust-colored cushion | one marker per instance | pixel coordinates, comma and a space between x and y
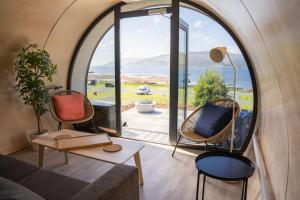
69, 107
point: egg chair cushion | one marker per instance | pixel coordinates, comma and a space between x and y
212, 120
69, 107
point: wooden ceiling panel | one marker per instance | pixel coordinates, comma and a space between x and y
269, 31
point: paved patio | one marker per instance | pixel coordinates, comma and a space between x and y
151, 127
157, 121
155, 137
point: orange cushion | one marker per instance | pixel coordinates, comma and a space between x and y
69, 107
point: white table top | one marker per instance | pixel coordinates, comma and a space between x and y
129, 147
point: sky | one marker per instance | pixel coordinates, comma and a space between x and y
143, 37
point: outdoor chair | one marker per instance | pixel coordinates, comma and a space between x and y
187, 128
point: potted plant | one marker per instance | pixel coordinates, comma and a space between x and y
33, 68
145, 105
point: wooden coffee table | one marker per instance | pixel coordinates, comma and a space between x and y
129, 149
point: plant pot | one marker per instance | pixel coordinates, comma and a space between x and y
145, 106
34, 135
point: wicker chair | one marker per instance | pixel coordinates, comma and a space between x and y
188, 125
89, 110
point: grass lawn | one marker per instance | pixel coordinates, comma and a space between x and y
159, 94
246, 100
246, 97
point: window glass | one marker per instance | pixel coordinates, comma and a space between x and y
208, 80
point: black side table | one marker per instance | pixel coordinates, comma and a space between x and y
224, 166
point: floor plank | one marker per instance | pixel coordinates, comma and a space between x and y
164, 177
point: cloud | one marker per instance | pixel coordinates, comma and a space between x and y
140, 30
234, 49
204, 37
106, 44
198, 24
156, 20
202, 41
167, 39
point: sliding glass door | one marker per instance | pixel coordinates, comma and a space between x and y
178, 63
178, 71
182, 72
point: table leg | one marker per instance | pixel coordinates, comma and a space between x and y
245, 193
243, 190
66, 158
198, 185
41, 155
203, 188
137, 160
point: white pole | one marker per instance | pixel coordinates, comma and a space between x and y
233, 104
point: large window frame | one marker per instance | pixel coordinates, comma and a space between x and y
174, 62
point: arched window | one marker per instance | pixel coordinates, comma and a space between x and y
93, 69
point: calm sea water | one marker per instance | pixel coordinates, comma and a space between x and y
243, 76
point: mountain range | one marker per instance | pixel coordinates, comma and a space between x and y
200, 58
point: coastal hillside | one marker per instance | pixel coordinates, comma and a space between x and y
195, 59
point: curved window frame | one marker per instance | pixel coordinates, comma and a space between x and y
198, 8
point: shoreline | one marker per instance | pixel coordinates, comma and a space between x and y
144, 79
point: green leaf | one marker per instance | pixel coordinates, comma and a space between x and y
33, 67
210, 86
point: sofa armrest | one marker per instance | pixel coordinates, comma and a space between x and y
119, 183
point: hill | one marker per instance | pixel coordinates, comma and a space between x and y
195, 59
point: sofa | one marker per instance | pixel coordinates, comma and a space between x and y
22, 181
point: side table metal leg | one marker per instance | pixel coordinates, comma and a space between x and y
203, 188
243, 190
197, 193
246, 185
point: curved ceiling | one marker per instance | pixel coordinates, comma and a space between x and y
269, 31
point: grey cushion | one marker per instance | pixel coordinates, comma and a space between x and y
13, 191
120, 183
15, 170
50, 185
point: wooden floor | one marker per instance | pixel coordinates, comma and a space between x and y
166, 178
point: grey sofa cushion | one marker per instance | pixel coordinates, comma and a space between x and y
14, 169
50, 185
13, 191
120, 183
